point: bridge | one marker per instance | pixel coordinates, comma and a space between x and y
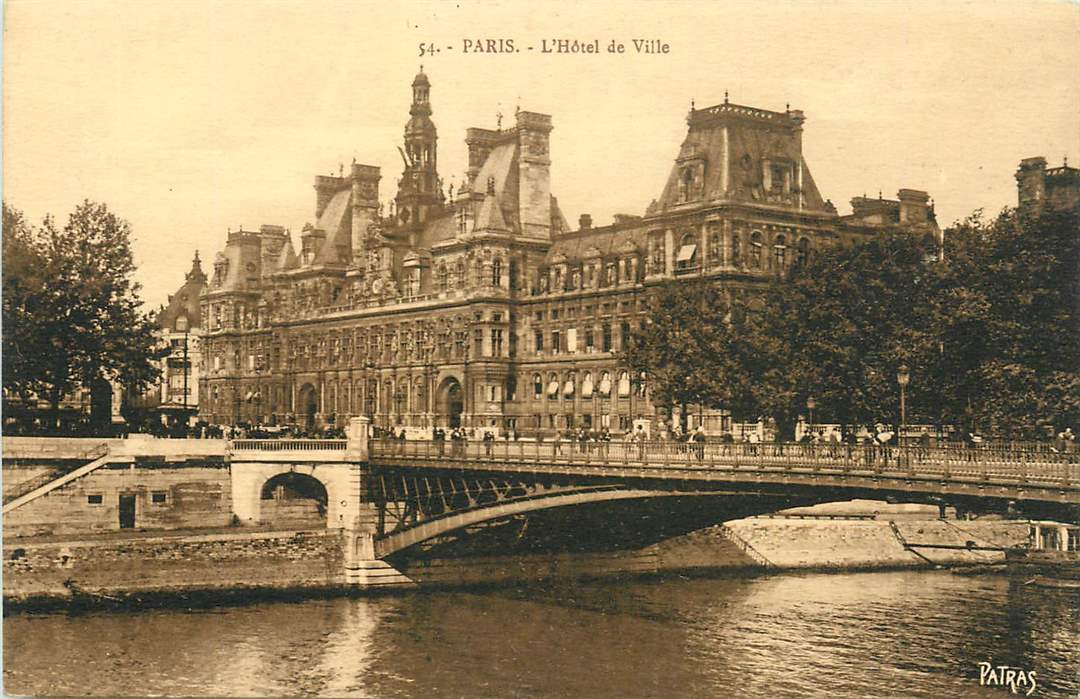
405, 498
423, 481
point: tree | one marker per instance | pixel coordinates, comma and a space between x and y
689, 349
1010, 322
81, 312
838, 326
25, 348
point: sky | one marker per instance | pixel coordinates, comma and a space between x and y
191, 118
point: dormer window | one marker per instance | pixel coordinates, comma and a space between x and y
777, 177
686, 183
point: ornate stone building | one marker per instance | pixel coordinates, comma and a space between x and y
482, 306
1039, 187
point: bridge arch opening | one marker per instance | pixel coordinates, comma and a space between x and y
450, 402
307, 405
293, 499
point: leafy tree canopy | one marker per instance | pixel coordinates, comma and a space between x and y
73, 316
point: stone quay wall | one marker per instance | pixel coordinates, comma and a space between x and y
172, 566
167, 495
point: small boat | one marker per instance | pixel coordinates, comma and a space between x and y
80, 595
1052, 550
1060, 583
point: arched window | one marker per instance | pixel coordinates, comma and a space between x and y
553, 385
496, 272
538, 387
569, 386
641, 384
605, 384
736, 258
624, 384
587, 385
755, 250
780, 253
442, 275
802, 253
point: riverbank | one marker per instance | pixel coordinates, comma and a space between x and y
235, 565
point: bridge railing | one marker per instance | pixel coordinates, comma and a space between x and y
998, 463
289, 444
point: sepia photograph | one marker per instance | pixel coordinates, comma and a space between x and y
497, 349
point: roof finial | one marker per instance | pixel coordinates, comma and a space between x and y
879, 194
498, 120
691, 104
725, 97
421, 67
787, 106
1065, 161
340, 169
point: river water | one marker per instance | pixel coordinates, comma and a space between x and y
889, 634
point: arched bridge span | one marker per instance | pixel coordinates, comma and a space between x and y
513, 478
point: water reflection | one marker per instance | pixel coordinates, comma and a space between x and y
882, 634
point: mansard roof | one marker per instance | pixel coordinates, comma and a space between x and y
336, 220
490, 216
287, 259
608, 241
734, 145
185, 301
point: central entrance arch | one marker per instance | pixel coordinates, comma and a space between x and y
451, 402
307, 405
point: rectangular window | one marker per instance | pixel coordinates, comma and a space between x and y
590, 345
624, 335
157, 497
539, 341
571, 340
555, 314
556, 342
587, 420
606, 339
539, 315
496, 342
95, 499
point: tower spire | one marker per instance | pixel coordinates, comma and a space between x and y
418, 189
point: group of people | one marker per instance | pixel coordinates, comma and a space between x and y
587, 440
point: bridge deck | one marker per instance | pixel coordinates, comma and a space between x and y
1043, 474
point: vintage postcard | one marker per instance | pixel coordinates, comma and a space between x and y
560, 349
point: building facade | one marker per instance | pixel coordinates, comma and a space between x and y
1039, 187
483, 307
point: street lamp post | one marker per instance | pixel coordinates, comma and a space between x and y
903, 378
182, 324
810, 405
